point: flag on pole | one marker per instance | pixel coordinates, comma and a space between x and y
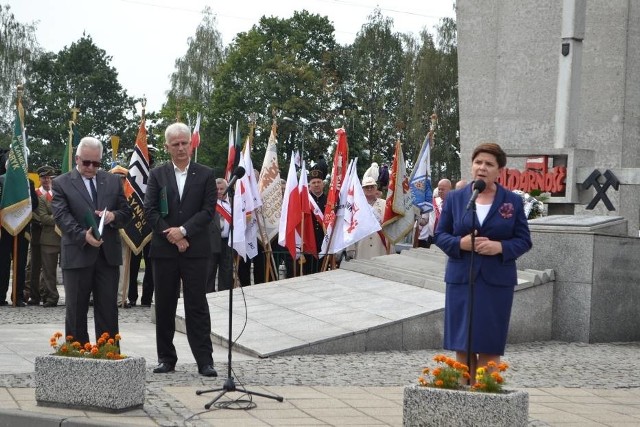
137, 232
270, 188
239, 222
74, 140
334, 240
420, 181
233, 157
307, 232
399, 212
290, 216
251, 200
358, 221
195, 136
339, 169
16, 199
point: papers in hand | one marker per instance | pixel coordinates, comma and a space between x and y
103, 215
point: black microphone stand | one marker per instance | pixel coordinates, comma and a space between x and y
472, 281
230, 384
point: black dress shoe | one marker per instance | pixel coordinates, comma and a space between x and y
33, 302
207, 371
163, 368
50, 304
3, 303
21, 303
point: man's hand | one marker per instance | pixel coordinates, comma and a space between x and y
108, 216
88, 237
182, 244
174, 235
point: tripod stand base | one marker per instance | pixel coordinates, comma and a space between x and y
229, 386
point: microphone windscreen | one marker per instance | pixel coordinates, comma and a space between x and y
239, 172
479, 185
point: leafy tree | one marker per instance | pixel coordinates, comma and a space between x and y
78, 75
282, 64
377, 81
18, 46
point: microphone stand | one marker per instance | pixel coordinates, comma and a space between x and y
472, 281
230, 384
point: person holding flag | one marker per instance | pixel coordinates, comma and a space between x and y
317, 202
18, 197
374, 244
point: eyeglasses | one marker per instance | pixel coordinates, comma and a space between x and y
93, 163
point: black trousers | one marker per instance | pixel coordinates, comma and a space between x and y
192, 272
6, 256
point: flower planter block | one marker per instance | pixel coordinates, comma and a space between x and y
429, 406
97, 384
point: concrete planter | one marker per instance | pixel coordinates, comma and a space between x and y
97, 384
428, 406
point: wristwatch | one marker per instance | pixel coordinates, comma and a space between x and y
183, 231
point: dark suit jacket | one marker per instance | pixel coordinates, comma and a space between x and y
505, 222
71, 201
194, 211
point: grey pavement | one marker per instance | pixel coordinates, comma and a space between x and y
569, 384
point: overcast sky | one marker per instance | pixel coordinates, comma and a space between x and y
145, 37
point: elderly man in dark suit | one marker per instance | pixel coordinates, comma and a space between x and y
179, 205
90, 263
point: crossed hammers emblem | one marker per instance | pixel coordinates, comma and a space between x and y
601, 190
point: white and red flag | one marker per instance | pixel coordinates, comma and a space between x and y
358, 221
231, 155
307, 233
290, 216
195, 136
334, 238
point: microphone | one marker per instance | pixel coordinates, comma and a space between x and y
237, 174
478, 187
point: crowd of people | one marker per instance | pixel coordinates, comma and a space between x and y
189, 253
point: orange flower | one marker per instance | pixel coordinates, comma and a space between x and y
87, 346
57, 335
439, 383
491, 364
436, 372
503, 366
111, 341
94, 350
425, 371
69, 338
118, 337
101, 341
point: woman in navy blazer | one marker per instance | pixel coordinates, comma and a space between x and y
502, 236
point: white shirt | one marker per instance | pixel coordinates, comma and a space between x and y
482, 211
181, 177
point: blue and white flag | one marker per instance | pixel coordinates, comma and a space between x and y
420, 182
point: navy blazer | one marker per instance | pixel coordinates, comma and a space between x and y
505, 222
194, 210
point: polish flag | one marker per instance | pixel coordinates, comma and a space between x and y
195, 137
308, 236
290, 216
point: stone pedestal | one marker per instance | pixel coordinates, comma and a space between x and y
429, 406
96, 384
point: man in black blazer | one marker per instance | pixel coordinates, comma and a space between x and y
89, 264
179, 205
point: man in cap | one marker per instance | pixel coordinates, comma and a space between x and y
49, 241
316, 190
374, 244
34, 267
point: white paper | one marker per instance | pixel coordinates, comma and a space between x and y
101, 225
